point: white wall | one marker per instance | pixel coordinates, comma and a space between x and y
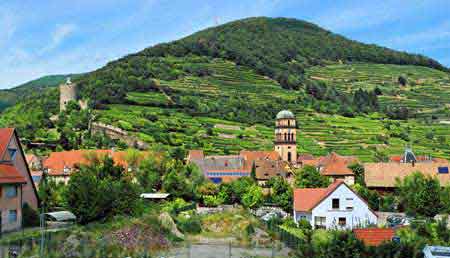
360, 215
298, 216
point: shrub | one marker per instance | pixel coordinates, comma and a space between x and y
101, 190
212, 201
30, 216
189, 223
249, 230
304, 224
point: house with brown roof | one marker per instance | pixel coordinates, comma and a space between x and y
61, 165
333, 165
16, 184
374, 236
334, 207
382, 176
227, 168
409, 157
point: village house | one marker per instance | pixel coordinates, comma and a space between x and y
59, 166
333, 165
16, 184
267, 164
35, 166
334, 207
409, 157
382, 176
227, 168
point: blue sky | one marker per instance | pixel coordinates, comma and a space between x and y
54, 37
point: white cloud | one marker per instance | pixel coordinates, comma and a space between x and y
362, 15
428, 38
60, 33
8, 25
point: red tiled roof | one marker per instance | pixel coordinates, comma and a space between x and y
229, 170
334, 157
302, 157
31, 158
395, 158
337, 168
305, 199
10, 175
374, 236
253, 156
71, 159
385, 174
5, 137
398, 159
309, 162
195, 154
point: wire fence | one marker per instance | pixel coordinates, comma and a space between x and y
289, 239
59, 245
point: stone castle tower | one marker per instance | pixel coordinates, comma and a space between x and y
67, 92
286, 136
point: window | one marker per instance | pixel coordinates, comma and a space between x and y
342, 222
335, 204
11, 191
319, 222
443, 170
289, 156
12, 216
12, 153
349, 208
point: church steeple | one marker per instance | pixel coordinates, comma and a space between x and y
286, 136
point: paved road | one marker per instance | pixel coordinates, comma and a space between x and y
223, 251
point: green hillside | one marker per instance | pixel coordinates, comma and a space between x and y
427, 91
220, 89
10, 96
152, 118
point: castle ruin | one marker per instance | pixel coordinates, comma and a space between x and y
68, 91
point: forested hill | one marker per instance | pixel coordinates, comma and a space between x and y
9, 97
275, 45
279, 48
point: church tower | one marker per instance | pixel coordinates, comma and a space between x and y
286, 136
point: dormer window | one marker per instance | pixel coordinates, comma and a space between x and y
12, 153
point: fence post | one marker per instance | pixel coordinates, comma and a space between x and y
273, 249
189, 249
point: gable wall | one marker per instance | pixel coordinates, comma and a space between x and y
29, 194
361, 215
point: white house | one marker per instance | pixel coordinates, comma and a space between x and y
334, 207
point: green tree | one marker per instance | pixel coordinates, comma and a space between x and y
253, 197
402, 80
420, 195
310, 177
358, 170
280, 193
50, 193
101, 190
